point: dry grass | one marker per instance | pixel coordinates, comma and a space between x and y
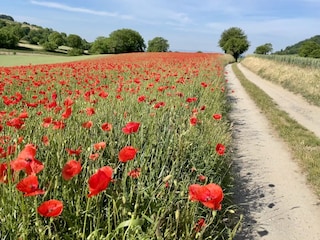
303, 81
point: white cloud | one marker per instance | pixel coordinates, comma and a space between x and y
78, 9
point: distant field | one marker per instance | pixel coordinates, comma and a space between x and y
27, 59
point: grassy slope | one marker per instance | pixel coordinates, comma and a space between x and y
15, 60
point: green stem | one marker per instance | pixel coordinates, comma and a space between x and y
85, 219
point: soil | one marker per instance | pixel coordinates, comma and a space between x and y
271, 190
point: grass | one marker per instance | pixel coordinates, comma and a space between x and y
304, 145
297, 79
29, 58
160, 91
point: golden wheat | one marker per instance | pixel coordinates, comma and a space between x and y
304, 81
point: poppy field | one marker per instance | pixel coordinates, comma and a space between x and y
130, 146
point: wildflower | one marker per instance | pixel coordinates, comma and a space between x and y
30, 186
142, 98
201, 223
90, 111
46, 122
58, 124
193, 121
202, 178
68, 102
131, 127
100, 180
94, 156
106, 127
3, 173
220, 149
217, 116
191, 99
71, 169
127, 153
26, 161
45, 140
135, 173
74, 152
99, 146
17, 123
210, 195
67, 113
87, 124
50, 208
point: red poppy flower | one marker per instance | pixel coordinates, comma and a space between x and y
220, 149
58, 125
103, 94
203, 84
99, 146
90, 111
23, 115
45, 140
210, 195
159, 104
51, 208
99, 181
46, 122
17, 123
127, 153
191, 99
3, 173
71, 169
202, 108
201, 223
106, 126
74, 152
94, 156
87, 124
217, 116
67, 113
131, 127
30, 186
193, 121
142, 98
26, 161
202, 178
68, 102
135, 173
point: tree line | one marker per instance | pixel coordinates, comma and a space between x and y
119, 41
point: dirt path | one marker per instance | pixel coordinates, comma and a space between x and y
272, 191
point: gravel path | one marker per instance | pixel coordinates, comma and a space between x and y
276, 201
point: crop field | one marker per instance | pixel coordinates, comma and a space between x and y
133, 146
299, 75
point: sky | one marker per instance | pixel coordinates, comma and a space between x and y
188, 25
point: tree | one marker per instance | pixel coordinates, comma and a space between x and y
100, 46
158, 44
57, 38
234, 41
7, 38
264, 49
309, 49
125, 40
74, 41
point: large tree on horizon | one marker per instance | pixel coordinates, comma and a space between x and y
158, 44
234, 41
125, 41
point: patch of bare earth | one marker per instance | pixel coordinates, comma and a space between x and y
271, 190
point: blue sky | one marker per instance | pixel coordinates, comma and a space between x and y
188, 25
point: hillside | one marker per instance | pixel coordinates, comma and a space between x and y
294, 49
